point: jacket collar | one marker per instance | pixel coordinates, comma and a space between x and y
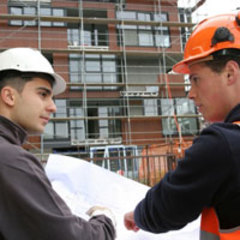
234, 114
12, 132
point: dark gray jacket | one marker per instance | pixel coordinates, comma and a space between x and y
29, 207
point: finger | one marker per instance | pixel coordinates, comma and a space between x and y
135, 228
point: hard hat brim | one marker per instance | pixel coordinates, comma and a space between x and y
183, 66
59, 85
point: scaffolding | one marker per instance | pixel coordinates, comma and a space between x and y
115, 57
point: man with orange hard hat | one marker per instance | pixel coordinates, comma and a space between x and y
207, 180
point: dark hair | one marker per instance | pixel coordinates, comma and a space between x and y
220, 59
17, 79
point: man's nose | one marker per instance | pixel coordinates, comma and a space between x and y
191, 94
52, 106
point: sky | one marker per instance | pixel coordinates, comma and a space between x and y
211, 7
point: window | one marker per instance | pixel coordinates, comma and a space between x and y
32, 11
61, 128
127, 15
140, 35
135, 108
77, 127
75, 37
58, 129
145, 35
75, 69
93, 71
145, 38
150, 107
94, 68
16, 11
162, 36
89, 36
109, 72
58, 12
114, 125
183, 107
178, 106
104, 125
45, 12
49, 131
167, 111
185, 17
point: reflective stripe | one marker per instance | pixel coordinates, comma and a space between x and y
230, 230
232, 234
210, 228
237, 123
209, 221
208, 236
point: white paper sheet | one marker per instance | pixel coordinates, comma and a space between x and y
83, 185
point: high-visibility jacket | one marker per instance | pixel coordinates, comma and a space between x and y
207, 176
210, 229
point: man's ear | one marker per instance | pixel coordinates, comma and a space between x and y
232, 71
8, 95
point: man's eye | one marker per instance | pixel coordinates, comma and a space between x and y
194, 79
43, 94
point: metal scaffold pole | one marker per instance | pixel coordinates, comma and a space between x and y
39, 25
112, 78
128, 132
83, 75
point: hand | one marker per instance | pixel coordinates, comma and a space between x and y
129, 222
100, 210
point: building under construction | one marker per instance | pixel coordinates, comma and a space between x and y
122, 103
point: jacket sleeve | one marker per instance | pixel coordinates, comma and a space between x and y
31, 209
181, 195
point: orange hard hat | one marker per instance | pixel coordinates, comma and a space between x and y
214, 34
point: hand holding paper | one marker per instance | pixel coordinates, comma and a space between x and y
99, 210
129, 222
82, 185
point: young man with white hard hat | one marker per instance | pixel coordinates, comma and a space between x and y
29, 207
207, 180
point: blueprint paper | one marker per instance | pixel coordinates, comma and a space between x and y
82, 185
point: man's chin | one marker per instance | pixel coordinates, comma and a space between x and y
35, 131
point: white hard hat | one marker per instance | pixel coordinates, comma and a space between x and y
30, 60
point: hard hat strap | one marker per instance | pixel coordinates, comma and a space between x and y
227, 52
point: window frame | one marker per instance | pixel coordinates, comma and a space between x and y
23, 8
151, 32
102, 72
169, 122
